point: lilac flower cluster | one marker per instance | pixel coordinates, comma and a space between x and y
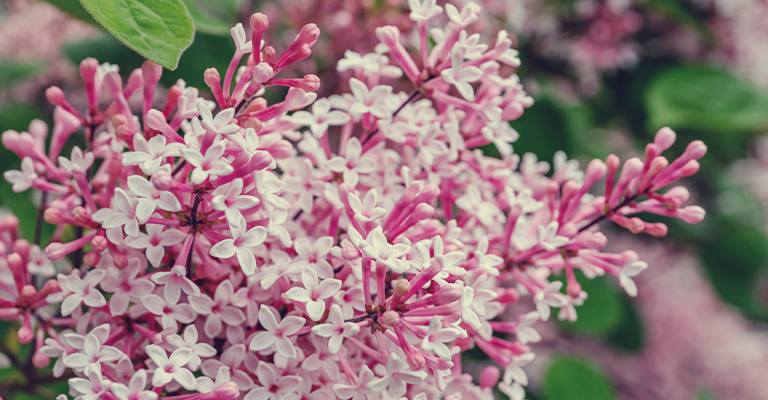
235, 248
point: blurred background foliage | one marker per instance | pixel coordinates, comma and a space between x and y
697, 99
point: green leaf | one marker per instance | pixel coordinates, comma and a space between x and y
159, 30
13, 71
543, 131
706, 99
601, 313
205, 22
629, 336
573, 378
74, 9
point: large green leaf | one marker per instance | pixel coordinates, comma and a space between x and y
159, 30
705, 99
572, 378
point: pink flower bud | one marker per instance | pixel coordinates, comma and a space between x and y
489, 377
262, 72
21, 246
113, 82
657, 229
281, 150
55, 95
448, 294
88, 68
9, 222
27, 294
415, 360
389, 318
665, 138
310, 83
389, 35
49, 287
657, 165
53, 216
81, 215
99, 244
696, 149
91, 258
227, 391
693, 214
163, 180
690, 168
268, 54
151, 71
635, 225
569, 229
401, 287
573, 289
156, 120
135, 81
25, 333
212, 77
308, 34
508, 296
259, 22
40, 360
595, 170
55, 251
121, 261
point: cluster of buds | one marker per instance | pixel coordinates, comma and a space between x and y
228, 249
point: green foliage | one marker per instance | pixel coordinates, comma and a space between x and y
543, 129
207, 51
573, 378
602, 312
159, 30
204, 14
734, 259
12, 72
705, 99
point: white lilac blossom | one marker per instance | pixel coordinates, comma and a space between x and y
361, 261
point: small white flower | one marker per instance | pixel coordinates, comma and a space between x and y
631, 269
22, 180
336, 329
314, 294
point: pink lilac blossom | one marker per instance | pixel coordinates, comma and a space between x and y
370, 287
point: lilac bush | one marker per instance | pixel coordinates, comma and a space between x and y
346, 247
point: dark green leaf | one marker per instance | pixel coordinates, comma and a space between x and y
205, 21
543, 131
705, 99
601, 313
572, 378
159, 30
629, 336
12, 71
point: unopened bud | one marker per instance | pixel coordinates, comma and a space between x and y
489, 377
55, 95
281, 150
262, 72
259, 22
53, 216
212, 77
665, 138
574, 289
308, 34
389, 318
9, 222
121, 261
99, 243
81, 215
55, 251
693, 214
310, 83
658, 229
448, 294
268, 54
635, 225
40, 360
88, 68
415, 360
91, 258
25, 334
508, 296
696, 149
